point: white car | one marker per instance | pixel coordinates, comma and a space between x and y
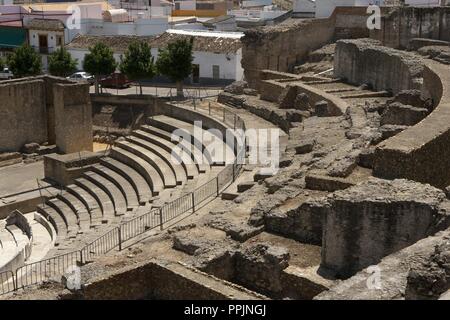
6, 74
81, 76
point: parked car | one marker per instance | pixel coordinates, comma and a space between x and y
6, 74
81, 76
115, 80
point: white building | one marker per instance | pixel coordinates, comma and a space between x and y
324, 8
217, 55
304, 8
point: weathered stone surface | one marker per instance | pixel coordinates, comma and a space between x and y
305, 146
244, 186
286, 160
250, 92
286, 100
219, 262
365, 158
326, 183
390, 130
321, 108
344, 166
394, 70
260, 267
401, 114
303, 223
29, 148
371, 220
230, 99
302, 102
236, 87
239, 232
430, 279
190, 245
411, 97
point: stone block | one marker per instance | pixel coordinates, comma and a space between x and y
371, 220
305, 146
244, 186
321, 108
326, 183
400, 114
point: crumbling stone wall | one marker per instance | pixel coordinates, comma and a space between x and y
400, 25
22, 114
421, 152
27, 112
364, 223
365, 61
283, 46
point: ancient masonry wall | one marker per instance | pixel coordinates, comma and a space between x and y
401, 25
73, 117
22, 114
365, 61
28, 114
281, 47
421, 152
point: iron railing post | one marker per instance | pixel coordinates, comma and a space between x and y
193, 202
209, 107
160, 219
119, 231
81, 256
217, 185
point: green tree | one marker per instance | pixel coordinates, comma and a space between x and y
2, 64
24, 61
175, 62
137, 63
99, 61
60, 63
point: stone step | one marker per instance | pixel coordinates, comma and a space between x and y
184, 129
116, 195
177, 169
56, 220
140, 165
67, 214
101, 196
214, 147
122, 183
163, 139
91, 203
175, 159
160, 167
78, 207
138, 182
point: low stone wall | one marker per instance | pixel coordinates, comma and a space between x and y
160, 280
421, 152
365, 61
63, 169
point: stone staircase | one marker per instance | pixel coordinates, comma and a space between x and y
139, 173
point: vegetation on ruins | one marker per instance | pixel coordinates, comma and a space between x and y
61, 63
138, 63
99, 62
2, 63
24, 61
175, 62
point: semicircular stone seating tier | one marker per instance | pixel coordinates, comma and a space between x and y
139, 172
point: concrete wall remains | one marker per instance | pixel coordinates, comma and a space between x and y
365, 61
283, 46
73, 117
400, 25
27, 114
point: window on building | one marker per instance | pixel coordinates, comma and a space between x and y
216, 71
